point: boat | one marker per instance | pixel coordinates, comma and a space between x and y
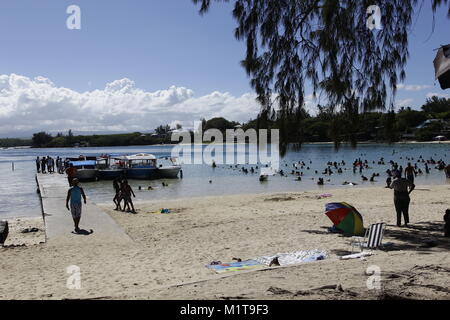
170, 171
108, 168
139, 166
86, 168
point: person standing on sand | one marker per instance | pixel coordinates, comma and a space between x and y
71, 174
74, 195
402, 189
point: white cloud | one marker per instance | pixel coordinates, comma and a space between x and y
31, 105
413, 87
404, 103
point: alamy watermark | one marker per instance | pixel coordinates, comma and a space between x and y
241, 147
373, 21
374, 280
374, 18
73, 22
74, 280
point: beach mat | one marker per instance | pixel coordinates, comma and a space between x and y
235, 266
286, 259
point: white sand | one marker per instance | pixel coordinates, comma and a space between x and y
168, 256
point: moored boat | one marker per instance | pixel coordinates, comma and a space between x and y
170, 171
86, 170
108, 168
139, 166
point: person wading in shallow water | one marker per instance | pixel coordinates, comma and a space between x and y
402, 189
74, 195
410, 173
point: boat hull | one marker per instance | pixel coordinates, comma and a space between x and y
170, 172
86, 174
109, 174
141, 173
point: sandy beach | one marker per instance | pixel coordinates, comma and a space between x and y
168, 254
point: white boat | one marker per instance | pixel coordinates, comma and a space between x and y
107, 169
169, 171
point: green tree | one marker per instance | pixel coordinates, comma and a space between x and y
70, 138
389, 126
435, 105
41, 139
408, 120
326, 43
161, 130
429, 132
221, 124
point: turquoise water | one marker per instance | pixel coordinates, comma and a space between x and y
18, 195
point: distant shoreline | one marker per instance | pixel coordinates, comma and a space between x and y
205, 143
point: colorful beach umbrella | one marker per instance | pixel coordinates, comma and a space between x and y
346, 218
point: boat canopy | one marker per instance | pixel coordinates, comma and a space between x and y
140, 156
83, 163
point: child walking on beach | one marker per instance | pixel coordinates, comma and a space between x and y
74, 195
126, 192
118, 193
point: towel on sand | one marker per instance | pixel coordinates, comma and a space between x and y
285, 259
235, 266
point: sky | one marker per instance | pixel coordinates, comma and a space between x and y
138, 64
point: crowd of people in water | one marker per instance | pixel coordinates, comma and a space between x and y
359, 166
400, 180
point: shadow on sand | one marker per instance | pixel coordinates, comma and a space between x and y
420, 237
83, 232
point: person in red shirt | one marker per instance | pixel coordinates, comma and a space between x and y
71, 172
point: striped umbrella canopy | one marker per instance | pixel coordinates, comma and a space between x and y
346, 218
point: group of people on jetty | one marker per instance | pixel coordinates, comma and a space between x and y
76, 196
48, 164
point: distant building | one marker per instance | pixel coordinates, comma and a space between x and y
440, 138
427, 123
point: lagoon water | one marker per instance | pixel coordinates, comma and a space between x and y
18, 196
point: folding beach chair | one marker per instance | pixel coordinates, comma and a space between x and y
372, 239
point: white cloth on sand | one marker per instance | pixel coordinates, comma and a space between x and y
285, 259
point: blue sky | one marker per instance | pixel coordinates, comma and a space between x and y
157, 43
162, 51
